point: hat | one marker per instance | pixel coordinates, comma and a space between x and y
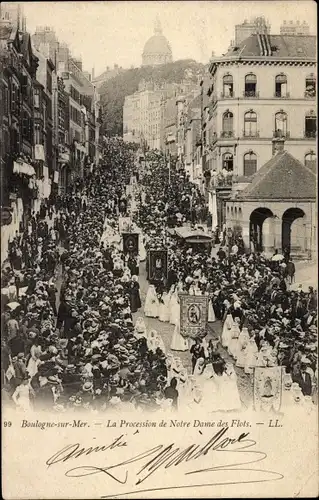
52, 379
87, 386
20, 355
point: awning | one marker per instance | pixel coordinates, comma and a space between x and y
23, 168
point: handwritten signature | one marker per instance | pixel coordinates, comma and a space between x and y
235, 452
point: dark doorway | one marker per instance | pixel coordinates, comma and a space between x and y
288, 218
257, 218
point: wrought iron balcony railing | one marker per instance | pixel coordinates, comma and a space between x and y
251, 94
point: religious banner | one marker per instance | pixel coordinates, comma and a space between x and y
268, 388
124, 224
157, 265
130, 243
194, 315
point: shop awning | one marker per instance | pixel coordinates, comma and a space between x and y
23, 168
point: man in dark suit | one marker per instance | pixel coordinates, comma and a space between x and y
303, 378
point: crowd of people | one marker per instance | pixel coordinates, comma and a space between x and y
76, 347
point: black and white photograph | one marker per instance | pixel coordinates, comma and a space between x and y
158, 243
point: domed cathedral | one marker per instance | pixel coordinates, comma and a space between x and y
157, 49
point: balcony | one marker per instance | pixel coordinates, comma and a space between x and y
310, 134
227, 134
222, 180
251, 94
281, 95
310, 93
250, 134
227, 95
281, 134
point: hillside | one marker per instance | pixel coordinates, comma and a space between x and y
114, 90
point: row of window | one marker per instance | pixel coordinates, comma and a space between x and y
280, 86
250, 162
280, 124
75, 115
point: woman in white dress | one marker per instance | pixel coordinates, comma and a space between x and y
21, 395
233, 344
227, 328
34, 361
140, 328
199, 370
243, 340
163, 308
178, 343
174, 309
231, 400
251, 355
211, 312
151, 303
151, 340
159, 343
141, 249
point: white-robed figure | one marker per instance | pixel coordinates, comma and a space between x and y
140, 328
159, 343
243, 340
164, 308
34, 361
174, 308
141, 246
251, 354
178, 343
151, 307
226, 333
229, 389
211, 312
233, 345
151, 340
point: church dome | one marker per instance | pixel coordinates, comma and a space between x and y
157, 49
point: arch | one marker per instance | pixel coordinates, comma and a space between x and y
228, 85
310, 124
228, 161
228, 119
293, 231
256, 221
250, 123
281, 85
250, 85
281, 120
311, 160
250, 163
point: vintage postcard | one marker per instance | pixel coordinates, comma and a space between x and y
159, 334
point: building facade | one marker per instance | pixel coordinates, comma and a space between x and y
264, 88
291, 28
252, 27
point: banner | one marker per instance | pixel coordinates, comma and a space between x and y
130, 243
124, 224
194, 315
157, 265
268, 388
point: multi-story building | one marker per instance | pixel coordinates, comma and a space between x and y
290, 28
61, 133
18, 174
45, 148
264, 88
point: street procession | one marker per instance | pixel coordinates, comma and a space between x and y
117, 296
158, 220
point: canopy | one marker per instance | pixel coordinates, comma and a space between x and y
195, 236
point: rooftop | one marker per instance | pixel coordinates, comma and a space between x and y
275, 46
282, 177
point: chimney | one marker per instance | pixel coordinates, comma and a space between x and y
93, 73
278, 145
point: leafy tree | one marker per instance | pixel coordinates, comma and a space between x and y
113, 91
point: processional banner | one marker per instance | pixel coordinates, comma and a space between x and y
157, 264
124, 224
193, 316
130, 243
268, 386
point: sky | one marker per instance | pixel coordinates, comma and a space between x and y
108, 33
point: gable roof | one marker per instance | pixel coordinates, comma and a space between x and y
282, 177
276, 47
